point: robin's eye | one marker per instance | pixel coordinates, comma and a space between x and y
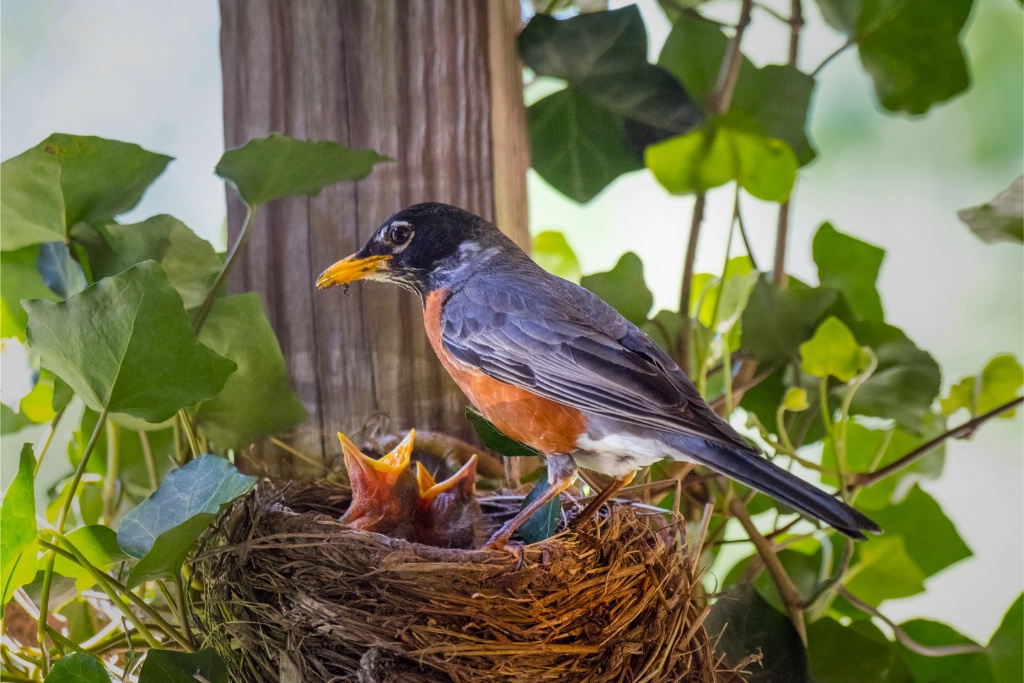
398, 234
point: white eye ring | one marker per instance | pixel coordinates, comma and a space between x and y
398, 234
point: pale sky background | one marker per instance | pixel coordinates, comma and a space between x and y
149, 72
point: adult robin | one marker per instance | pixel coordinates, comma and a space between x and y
552, 365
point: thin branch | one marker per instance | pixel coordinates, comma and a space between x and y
683, 351
838, 51
865, 479
729, 72
787, 591
211, 296
743, 233
902, 636
50, 431
796, 24
779, 276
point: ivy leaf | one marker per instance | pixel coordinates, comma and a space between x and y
851, 654
883, 570
126, 344
1000, 220
748, 625
833, 351
972, 667
98, 544
720, 306
544, 523
161, 530
189, 261
906, 381
776, 321
603, 56
32, 204
62, 274
257, 400
1006, 648
78, 668
19, 279
929, 536
795, 400
775, 96
1001, 380
552, 252
578, 147
492, 437
18, 519
731, 147
851, 266
910, 48
664, 328
168, 666
623, 287
278, 166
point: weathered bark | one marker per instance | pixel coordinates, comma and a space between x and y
433, 84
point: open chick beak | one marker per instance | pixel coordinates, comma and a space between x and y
351, 269
462, 482
384, 491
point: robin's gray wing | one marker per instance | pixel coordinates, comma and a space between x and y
560, 341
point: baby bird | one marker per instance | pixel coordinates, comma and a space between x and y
385, 494
447, 514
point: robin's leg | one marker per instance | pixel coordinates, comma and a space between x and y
561, 475
600, 499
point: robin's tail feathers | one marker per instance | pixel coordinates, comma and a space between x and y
768, 478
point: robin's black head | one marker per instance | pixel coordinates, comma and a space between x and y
425, 247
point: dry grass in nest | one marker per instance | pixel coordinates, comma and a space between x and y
293, 595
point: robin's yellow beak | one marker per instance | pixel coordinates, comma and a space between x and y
464, 479
351, 269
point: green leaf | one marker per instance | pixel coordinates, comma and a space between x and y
748, 625
577, 146
801, 568
78, 668
603, 56
167, 666
851, 266
1006, 648
18, 520
961, 395
795, 400
833, 351
19, 279
162, 529
623, 287
910, 48
973, 667
1001, 380
552, 253
492, 437
776, 96
32, 204
929, 536
883, 570
845, 654
279, 166
544, 523
721, 306
126, 344
257, 400
728, 148
98, 544
61, 273
664, 328
906, 381
776, 321
1000, 220
189, 261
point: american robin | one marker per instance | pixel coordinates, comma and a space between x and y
384, 492
552, 365
447, 513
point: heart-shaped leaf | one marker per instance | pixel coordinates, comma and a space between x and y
126, 344
883, 570
1006, 647
776, 321
851, 266
833, 351
78, 668
257, 400
162, 529
32, 204
552, 252
857, 652
279, 166
18, 520
167, 666
623, 287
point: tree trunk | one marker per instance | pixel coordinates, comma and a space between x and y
435, 85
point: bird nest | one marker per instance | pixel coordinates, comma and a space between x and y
291, 594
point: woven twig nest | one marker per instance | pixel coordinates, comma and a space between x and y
293, 595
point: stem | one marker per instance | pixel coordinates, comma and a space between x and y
840, 50
743, 232
684, 295
113, 466
49, 438
211, 297
729, 72
179, 591
44, 598
147, 456
727, 378
787, 591
865, 479
796, 24
779, 276
186, 426
902, 636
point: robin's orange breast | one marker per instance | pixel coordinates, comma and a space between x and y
546, 425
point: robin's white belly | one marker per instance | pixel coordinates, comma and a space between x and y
620, 454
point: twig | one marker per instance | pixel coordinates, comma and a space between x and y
902, 636
147, 456
865, 479
743, 234
193, 442
787, 591
211, 296
49, 438
838, 51
796, 24
683, 351
729, 72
